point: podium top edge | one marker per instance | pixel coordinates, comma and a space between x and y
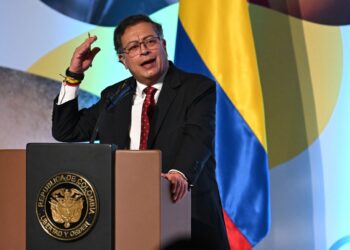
11, 149
69, 144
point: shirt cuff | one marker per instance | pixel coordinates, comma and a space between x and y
67, 93
179, 172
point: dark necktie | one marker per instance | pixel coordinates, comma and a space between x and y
147, 111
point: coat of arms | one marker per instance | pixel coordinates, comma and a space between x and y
66, 206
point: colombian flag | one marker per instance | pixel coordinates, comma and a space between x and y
214, 38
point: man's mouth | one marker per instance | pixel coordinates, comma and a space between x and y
148, 63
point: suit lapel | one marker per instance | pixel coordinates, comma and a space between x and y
166, 98
123, 117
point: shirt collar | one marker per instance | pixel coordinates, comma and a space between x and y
140, 86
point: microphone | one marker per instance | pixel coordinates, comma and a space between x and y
120, 94
112, 100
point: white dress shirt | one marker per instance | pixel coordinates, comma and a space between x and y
136, 112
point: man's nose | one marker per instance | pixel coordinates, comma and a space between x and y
143, 49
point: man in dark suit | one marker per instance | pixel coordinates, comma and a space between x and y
159, 107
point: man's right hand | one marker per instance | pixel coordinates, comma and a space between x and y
83, 56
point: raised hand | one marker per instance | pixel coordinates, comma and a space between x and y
83, 56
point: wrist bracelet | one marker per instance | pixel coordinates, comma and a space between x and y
71, 80
77, 76
72, 85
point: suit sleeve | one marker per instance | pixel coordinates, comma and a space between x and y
72, 125
197, 145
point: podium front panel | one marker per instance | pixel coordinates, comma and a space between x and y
69, 199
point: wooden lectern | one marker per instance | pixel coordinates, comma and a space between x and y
13, 196
142, 213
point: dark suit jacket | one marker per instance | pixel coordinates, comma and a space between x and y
182, 127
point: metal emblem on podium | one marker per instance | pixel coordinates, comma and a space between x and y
67, 206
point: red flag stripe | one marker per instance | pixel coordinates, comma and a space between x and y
236, 239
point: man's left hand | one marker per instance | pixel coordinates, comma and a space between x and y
179, 185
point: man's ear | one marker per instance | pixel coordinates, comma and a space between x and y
122, 60
164, 43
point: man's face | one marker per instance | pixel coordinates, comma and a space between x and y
151, 62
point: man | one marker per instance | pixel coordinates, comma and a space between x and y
176, 115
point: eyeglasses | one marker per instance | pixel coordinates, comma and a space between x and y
134, 48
